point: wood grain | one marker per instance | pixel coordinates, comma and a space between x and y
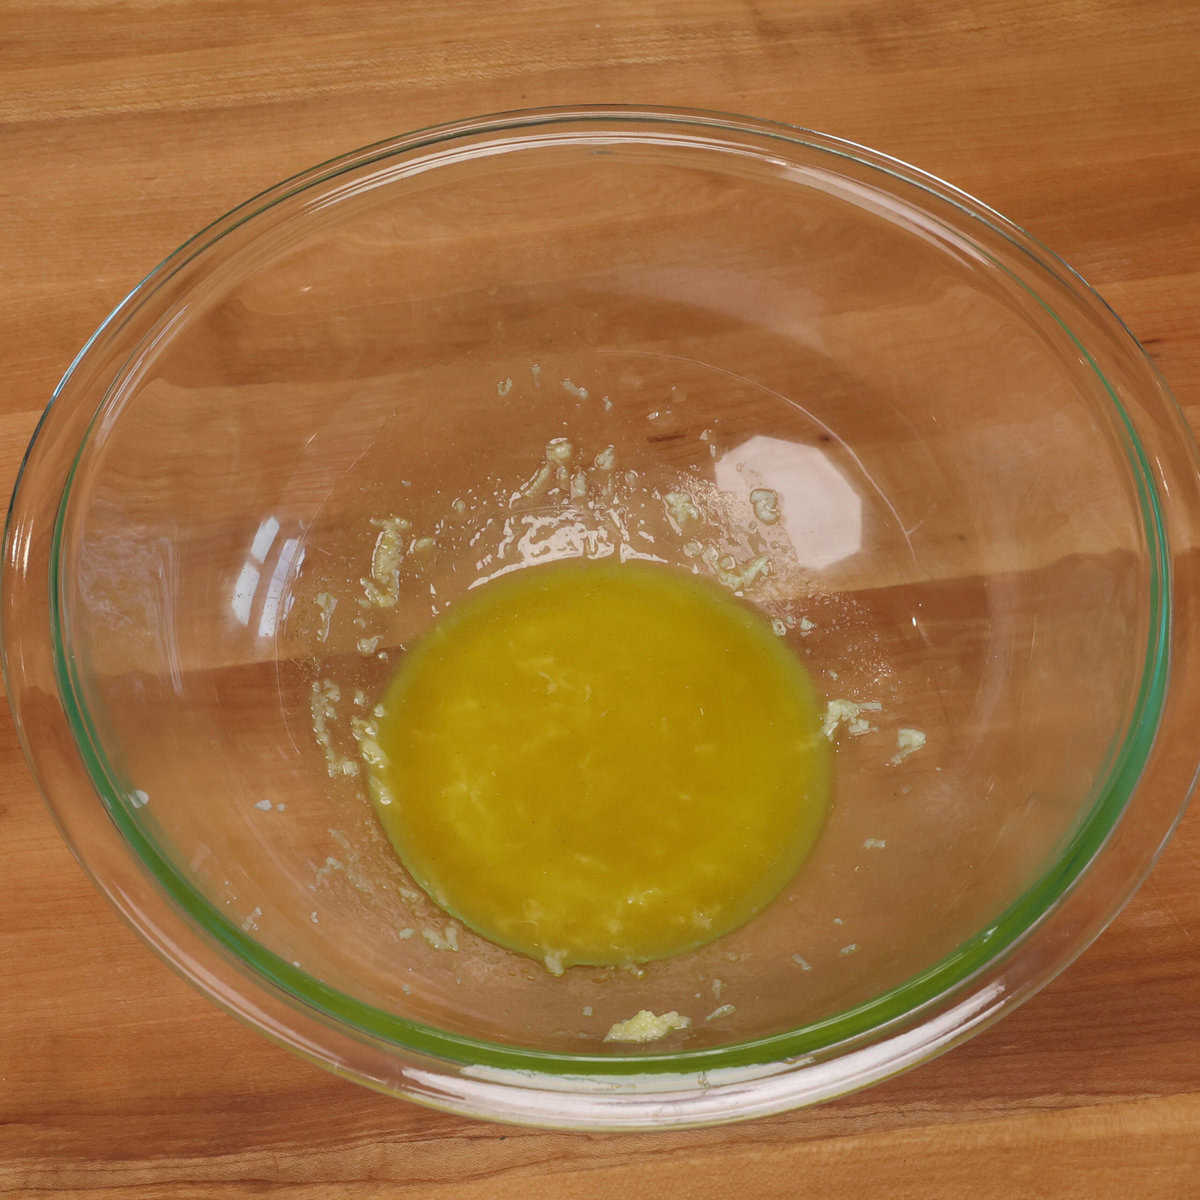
126, 127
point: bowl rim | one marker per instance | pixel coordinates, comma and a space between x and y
928, 991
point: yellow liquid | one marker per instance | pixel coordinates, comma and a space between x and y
602, 763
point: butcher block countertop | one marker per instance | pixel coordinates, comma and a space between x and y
125, 125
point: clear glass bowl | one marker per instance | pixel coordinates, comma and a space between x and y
987, 499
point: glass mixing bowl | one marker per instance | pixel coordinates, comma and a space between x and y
556, 334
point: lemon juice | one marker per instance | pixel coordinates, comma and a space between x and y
601, 762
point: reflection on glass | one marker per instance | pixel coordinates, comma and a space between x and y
276, 600
264, 538
243, 592
817, 507
274, 608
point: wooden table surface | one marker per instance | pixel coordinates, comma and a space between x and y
126, 126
